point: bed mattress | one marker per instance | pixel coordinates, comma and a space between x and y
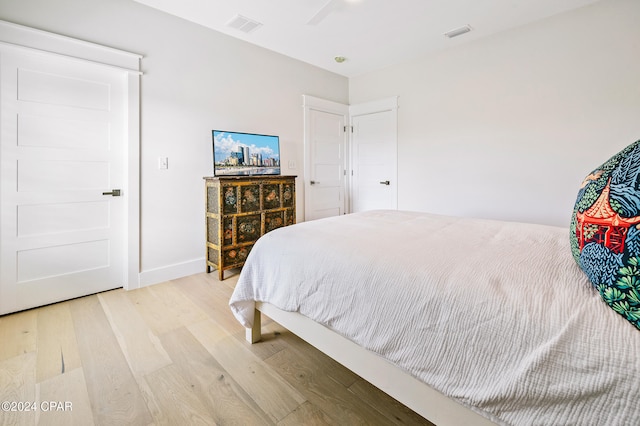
495, 315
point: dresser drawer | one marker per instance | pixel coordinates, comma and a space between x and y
248, 228
235, 256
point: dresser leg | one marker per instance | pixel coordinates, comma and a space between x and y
220, 274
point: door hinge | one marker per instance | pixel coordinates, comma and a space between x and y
345, 128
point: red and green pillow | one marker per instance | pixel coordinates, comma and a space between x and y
605, 231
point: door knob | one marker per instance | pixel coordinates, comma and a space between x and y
113, 193
385, 182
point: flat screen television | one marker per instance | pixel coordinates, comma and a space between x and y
245, 154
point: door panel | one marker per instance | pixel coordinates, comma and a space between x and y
374, 148
324, 203
61, 175
58, 132
325, 182
52, 261
53, 218
62, 145
62, 90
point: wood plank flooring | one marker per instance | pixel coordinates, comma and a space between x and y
172, 354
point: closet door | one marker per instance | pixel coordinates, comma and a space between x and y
325, 147
374, 158
62, 145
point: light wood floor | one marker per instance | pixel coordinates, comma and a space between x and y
172, 354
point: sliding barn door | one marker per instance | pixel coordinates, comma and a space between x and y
62, 146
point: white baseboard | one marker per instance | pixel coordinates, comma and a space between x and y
171, 272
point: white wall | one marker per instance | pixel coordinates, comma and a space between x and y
504, 127
194, 80
507, 126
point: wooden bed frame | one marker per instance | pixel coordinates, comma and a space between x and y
421, 398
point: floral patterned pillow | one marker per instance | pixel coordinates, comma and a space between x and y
605, 231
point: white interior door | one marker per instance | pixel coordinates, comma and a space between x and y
374, 159
62, 145
325, 161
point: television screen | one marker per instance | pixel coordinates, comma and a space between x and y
245, 154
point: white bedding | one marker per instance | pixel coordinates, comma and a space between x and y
495, 315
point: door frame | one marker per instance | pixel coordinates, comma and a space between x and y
26, 38
311, 103
367, 108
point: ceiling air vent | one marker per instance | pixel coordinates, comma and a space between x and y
243, 24
458, 31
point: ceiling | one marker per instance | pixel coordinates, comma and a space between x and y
369, 34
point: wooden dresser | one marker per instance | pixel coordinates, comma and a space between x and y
239, 210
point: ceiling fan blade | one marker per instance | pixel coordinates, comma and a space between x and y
323, 12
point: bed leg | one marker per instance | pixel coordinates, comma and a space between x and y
254, 334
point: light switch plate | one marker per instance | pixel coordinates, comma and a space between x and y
163, 163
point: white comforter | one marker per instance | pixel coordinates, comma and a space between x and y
496, 315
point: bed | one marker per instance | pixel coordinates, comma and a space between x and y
465, 321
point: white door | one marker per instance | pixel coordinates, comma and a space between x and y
62, 145
325, 160
374, 161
